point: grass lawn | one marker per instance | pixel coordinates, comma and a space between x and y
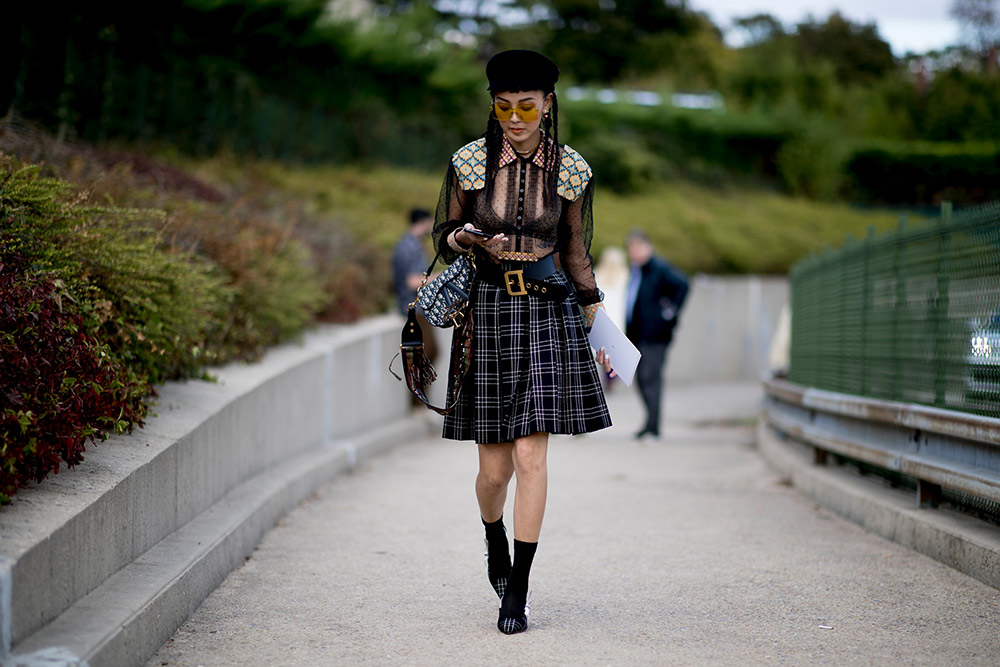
700, 228
731, 230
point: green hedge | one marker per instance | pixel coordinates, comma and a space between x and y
628, 145
631, 146
924, 173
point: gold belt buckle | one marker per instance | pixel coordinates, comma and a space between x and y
514, 280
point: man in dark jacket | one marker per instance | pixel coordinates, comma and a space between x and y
654, 297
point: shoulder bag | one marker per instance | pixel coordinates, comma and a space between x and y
445, 303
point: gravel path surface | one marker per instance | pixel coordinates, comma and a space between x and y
688, 550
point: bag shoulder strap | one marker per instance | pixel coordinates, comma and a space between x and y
417, 369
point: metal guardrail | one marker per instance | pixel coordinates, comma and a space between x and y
941, 449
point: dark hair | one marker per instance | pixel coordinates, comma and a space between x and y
418, 215
511, 72
551, 150
636, 234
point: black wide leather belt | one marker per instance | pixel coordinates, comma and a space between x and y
526, 279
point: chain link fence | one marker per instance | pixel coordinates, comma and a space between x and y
912, 315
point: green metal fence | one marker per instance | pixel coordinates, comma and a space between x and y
912, 315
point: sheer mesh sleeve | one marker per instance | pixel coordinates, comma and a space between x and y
578, 230
452, 209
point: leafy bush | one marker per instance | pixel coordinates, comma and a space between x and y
623, 163
349, 217
924, 173
811, 163
266, 285
656, 141
275, 290
93, 313
961, 106
59, 386
156, 310
98, 304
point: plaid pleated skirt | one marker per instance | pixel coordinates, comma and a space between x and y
532, 370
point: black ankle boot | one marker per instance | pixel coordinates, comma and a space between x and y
514, 606
514, 612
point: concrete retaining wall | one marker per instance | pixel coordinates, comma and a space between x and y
726, 328
266, 434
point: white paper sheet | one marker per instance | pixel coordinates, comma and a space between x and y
624, 355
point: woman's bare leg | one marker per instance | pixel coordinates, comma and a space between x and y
529, 463
496, 467
529, 456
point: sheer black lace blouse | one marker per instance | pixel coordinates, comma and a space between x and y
537, 220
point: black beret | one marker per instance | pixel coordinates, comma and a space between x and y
520, 69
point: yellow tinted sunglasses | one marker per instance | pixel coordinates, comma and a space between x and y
526, 111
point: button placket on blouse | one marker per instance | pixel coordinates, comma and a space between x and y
520, 204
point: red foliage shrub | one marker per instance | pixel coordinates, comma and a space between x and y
56, 383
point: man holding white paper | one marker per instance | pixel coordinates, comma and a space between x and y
654, 298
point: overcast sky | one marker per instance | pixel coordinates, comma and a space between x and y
908, 25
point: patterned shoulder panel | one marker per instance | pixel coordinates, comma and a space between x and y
470, 165
574, 174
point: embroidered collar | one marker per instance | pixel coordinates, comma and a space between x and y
508, 154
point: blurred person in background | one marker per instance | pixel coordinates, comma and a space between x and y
521, 203
409, 261
654, 298
612, 273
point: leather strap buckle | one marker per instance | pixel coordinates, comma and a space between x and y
514, 281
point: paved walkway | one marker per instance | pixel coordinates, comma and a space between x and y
685, 551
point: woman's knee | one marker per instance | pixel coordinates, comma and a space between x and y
495, 478
495, 462
530, 454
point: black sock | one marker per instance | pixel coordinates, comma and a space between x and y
512, 617
498, 555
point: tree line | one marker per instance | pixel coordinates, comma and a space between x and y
400, 81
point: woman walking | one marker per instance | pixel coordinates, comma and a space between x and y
521, 203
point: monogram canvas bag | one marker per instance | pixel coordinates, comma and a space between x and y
445, 298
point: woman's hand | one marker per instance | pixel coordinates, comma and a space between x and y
467, 239
604, 360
